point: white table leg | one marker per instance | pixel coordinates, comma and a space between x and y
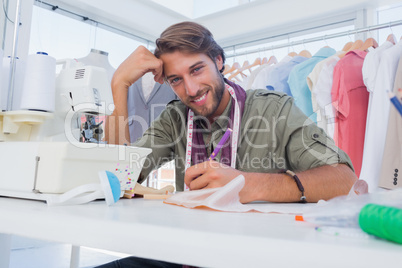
75, 257
5, 250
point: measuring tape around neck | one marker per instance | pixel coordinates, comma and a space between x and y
235, 134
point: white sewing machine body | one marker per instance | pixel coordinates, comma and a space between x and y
43, 153
34, 169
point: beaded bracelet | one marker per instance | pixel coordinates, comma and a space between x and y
299, 184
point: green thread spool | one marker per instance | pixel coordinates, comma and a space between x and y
382, 221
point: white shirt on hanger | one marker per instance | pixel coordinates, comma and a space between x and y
253, 75
261, 81
370, 67
371, 63
321, 94
377, 116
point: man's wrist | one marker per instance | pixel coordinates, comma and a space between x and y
254, 189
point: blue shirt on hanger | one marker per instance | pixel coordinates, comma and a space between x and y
298, 81
278, 77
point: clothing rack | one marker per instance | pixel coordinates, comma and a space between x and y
319, 38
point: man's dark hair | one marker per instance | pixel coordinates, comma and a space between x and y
188, 37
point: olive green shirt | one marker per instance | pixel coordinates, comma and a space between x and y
274, 134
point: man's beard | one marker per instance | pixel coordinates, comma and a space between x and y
217, 91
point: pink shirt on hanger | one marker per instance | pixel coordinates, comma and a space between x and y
350, 100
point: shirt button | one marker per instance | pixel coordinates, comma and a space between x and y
315, 135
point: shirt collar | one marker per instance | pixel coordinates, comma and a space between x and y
298, 59
358, 52
325, 52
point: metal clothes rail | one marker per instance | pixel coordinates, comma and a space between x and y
319, 38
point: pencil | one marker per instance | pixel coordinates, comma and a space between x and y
220, 144
395, 102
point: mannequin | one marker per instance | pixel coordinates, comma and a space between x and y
99, 58
145, 101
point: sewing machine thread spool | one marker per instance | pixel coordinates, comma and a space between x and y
39, 83
382, 221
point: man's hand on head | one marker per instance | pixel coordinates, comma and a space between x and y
140, 62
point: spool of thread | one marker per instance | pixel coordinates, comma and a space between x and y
382, 221
39, 83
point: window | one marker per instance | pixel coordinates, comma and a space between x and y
64, 37
386, 15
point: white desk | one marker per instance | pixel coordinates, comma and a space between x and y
151, 229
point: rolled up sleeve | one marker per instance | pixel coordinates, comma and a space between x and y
307, 145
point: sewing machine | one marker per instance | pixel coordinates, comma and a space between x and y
50, 153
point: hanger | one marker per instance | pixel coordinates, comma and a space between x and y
257, 61
356, 45
370, 42
234, 67
272, 60
325, 41
347, 46
305, 53
240, 71
264, 60
245, 65
292, 54
391, 38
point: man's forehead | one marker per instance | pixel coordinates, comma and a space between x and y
167, 56
178, 61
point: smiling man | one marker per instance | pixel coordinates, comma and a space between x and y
197, 82
282, 154
272, 139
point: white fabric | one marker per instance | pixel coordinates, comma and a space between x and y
227, 198
321, 95
260, 81
369, 70
312, 80
148, 84
243, 83
253, 75
377, 116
